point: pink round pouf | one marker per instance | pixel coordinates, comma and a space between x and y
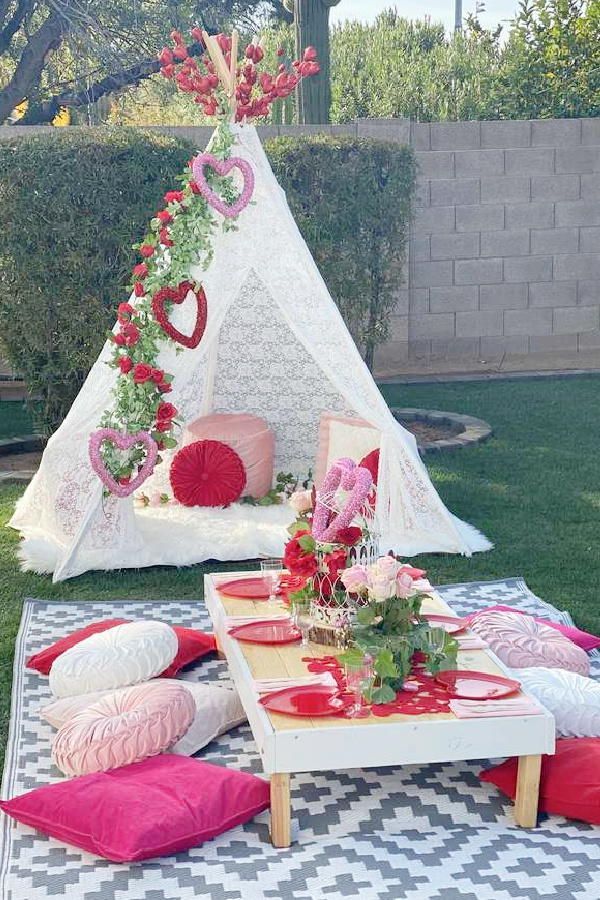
520, 642
250, 437
124, 727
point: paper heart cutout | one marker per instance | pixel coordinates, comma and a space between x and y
344, 474
223, 167
122, 442
178, 295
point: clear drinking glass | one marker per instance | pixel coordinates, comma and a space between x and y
436, 641
302, 620
359, 678
271, 570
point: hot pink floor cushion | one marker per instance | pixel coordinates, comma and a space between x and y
583, 639
157, 807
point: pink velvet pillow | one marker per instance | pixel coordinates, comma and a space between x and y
193, 645
157, 807
520, 642
570, 780
583, 639
124, 727
250, 437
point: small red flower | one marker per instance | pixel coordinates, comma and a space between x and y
174, 196
164, 238
142, 372
125, 364
157, 376
164, 387
141, 270
164, 216
193, 187
147, 250
124, 312
138, 289
165, 57
165, 412
129, 335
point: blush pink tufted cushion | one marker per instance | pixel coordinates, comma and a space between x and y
521, 642
250, 437
341, 436
124, 727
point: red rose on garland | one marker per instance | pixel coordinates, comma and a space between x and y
165, 412
147, 250
142, 372
138, 289
157, 376
125, 364
298, 560
140, 271
128, 336
124, 312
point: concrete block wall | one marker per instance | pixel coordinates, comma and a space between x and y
504, 254
505, 247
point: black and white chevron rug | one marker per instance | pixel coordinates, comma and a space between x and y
417, 832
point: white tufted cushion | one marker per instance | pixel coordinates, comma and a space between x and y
124, 655
520, 642
573, 700
217, 710
123, 728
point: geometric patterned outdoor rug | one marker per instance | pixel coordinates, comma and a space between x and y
428, 832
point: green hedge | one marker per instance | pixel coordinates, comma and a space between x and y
352, 198
71, 205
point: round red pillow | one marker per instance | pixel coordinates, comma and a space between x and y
207, 473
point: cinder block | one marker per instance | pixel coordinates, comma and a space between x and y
589, 240
505, 134
528, 268
590, 186
590, 131
385, 129
401, 305
588, 293
430, 326
529, 215
576, 319
420, 136
555, 132
454, 191
435, 163
555, 187
589, 340
478, 271
499, 346
578, 160
455, 246
455, 347
434, 219
555, 240
418, 300
580, 266
540, 343
504, 188
528, 321
503, 296
552, 293
399, 329
422, 193
420, 248
419, 350
505, 243
479, 324
455, 136
429, 274
391, 357
488, 217
578, 212
535, 161
469, 163
454, 298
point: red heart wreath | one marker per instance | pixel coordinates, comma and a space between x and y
178, 295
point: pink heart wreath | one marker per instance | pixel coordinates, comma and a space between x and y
122, 442
223, 167
344, 474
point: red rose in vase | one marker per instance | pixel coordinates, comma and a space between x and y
336, 562
297, 560
349, 536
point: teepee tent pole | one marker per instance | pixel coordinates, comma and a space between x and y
218, 60
235, 40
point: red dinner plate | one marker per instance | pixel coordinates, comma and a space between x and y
266, 633
245, 588
307, 701
449, 623
470, 685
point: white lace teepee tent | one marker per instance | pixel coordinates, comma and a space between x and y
275, 346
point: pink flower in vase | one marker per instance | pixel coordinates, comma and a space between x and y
301, 501
355, 579
405, 586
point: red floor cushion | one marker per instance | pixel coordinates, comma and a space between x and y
570, 781
207, 473
157, 807
193, 645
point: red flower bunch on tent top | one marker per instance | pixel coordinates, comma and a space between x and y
252, 91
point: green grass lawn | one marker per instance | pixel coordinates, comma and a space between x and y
534, 489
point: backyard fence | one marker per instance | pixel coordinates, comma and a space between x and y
504, 258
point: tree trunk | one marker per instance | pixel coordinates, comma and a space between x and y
311, 21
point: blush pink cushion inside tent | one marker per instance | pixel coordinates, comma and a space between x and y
250, 437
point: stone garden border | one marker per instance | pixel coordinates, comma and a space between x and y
472, 430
